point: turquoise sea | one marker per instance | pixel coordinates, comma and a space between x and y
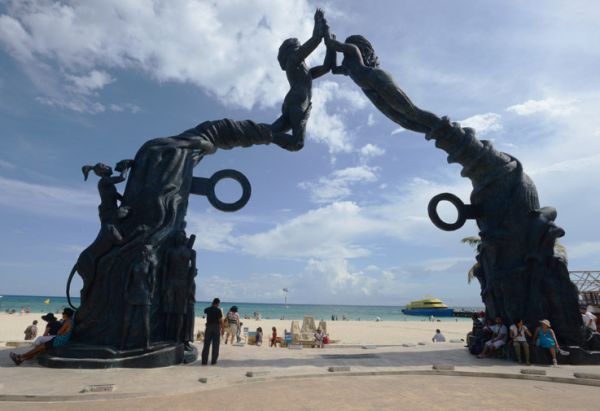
36, 304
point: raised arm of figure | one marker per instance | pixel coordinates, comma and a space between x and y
327, 65
311, 44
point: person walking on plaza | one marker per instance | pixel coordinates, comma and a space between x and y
31, 331
212, 334
519, 333
233, 324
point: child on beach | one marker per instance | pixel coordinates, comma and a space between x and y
274, 337
259, 336
319, 336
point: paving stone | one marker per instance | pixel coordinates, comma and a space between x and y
443, 367
587, 375
251, 374
339, 369
528, 371
99, 388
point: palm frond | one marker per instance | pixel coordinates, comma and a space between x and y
471, 273
473, 240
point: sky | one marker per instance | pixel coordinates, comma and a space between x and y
343, 221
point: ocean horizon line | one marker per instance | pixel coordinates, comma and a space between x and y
73, 298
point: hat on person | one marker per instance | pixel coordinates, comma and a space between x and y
545, 322
234, 309
49, 317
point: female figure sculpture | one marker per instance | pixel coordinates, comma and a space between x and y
362, 65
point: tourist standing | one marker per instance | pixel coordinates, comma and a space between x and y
212, 334
233, 323
519, 333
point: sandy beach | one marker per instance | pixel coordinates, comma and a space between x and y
346, 332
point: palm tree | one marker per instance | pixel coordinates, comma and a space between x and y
474, 242
560, 251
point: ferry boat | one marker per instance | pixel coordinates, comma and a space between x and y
428, 306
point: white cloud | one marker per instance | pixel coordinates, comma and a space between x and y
584, 249
483, 123
397, 130
132, 108
552, 106
327, 124
338, 184
371, 150
47, 199
78, 104
371, 120
87, 84
345, 229
7, 165
228, 48
212, 234
339, 277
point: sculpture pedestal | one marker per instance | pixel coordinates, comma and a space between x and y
90, 356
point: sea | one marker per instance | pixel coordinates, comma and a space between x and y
45, 304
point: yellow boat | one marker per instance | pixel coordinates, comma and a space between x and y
428, 306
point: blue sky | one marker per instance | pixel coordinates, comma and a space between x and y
342, 221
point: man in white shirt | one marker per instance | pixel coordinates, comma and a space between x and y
498, 339
438, 337
589, 319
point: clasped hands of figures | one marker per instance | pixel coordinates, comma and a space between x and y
360, 63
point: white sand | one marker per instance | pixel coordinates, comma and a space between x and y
347, 332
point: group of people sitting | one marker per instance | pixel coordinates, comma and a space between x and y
491, 337
56, 334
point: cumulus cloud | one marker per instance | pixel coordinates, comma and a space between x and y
338, 184
227, 48
47, 199
330, 105
89, 83
551, 106
344, 229
371, 150
483, 123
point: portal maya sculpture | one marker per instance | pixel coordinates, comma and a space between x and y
137, 300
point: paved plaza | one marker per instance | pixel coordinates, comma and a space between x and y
391, 377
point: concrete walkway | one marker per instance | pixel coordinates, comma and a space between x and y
283, 373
